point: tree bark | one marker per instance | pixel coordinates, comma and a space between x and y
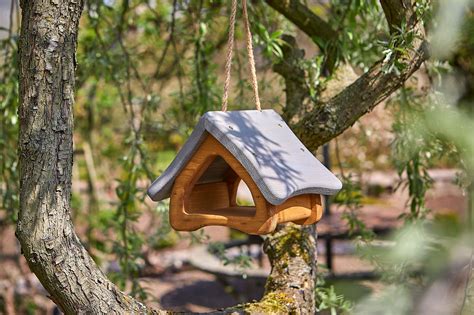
49, 243
296, 88
292, 252
290, 287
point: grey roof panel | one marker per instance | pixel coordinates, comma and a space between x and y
281, 166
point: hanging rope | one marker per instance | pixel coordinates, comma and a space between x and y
253, 72
230, 50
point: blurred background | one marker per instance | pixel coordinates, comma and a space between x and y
399, 234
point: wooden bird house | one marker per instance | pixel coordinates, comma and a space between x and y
257, 147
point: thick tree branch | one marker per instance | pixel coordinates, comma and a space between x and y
304, 18
295, 82
330, 119
397, 12
290, 286
292, 252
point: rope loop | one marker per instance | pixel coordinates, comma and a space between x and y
230, 51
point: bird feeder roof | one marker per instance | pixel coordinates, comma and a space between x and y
280, 165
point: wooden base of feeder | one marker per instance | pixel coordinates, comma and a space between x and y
193, 206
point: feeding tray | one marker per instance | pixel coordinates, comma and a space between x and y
286, 181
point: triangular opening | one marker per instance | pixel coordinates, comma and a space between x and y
244, 195
215, 192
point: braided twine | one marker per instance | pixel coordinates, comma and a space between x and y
230, 50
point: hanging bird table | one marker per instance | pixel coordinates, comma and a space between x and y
254, 146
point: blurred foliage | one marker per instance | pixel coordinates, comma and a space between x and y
327, 299
350, 199
240, 261
361, 26
9, 97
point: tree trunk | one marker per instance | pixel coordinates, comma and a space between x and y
292, 251
49, 243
